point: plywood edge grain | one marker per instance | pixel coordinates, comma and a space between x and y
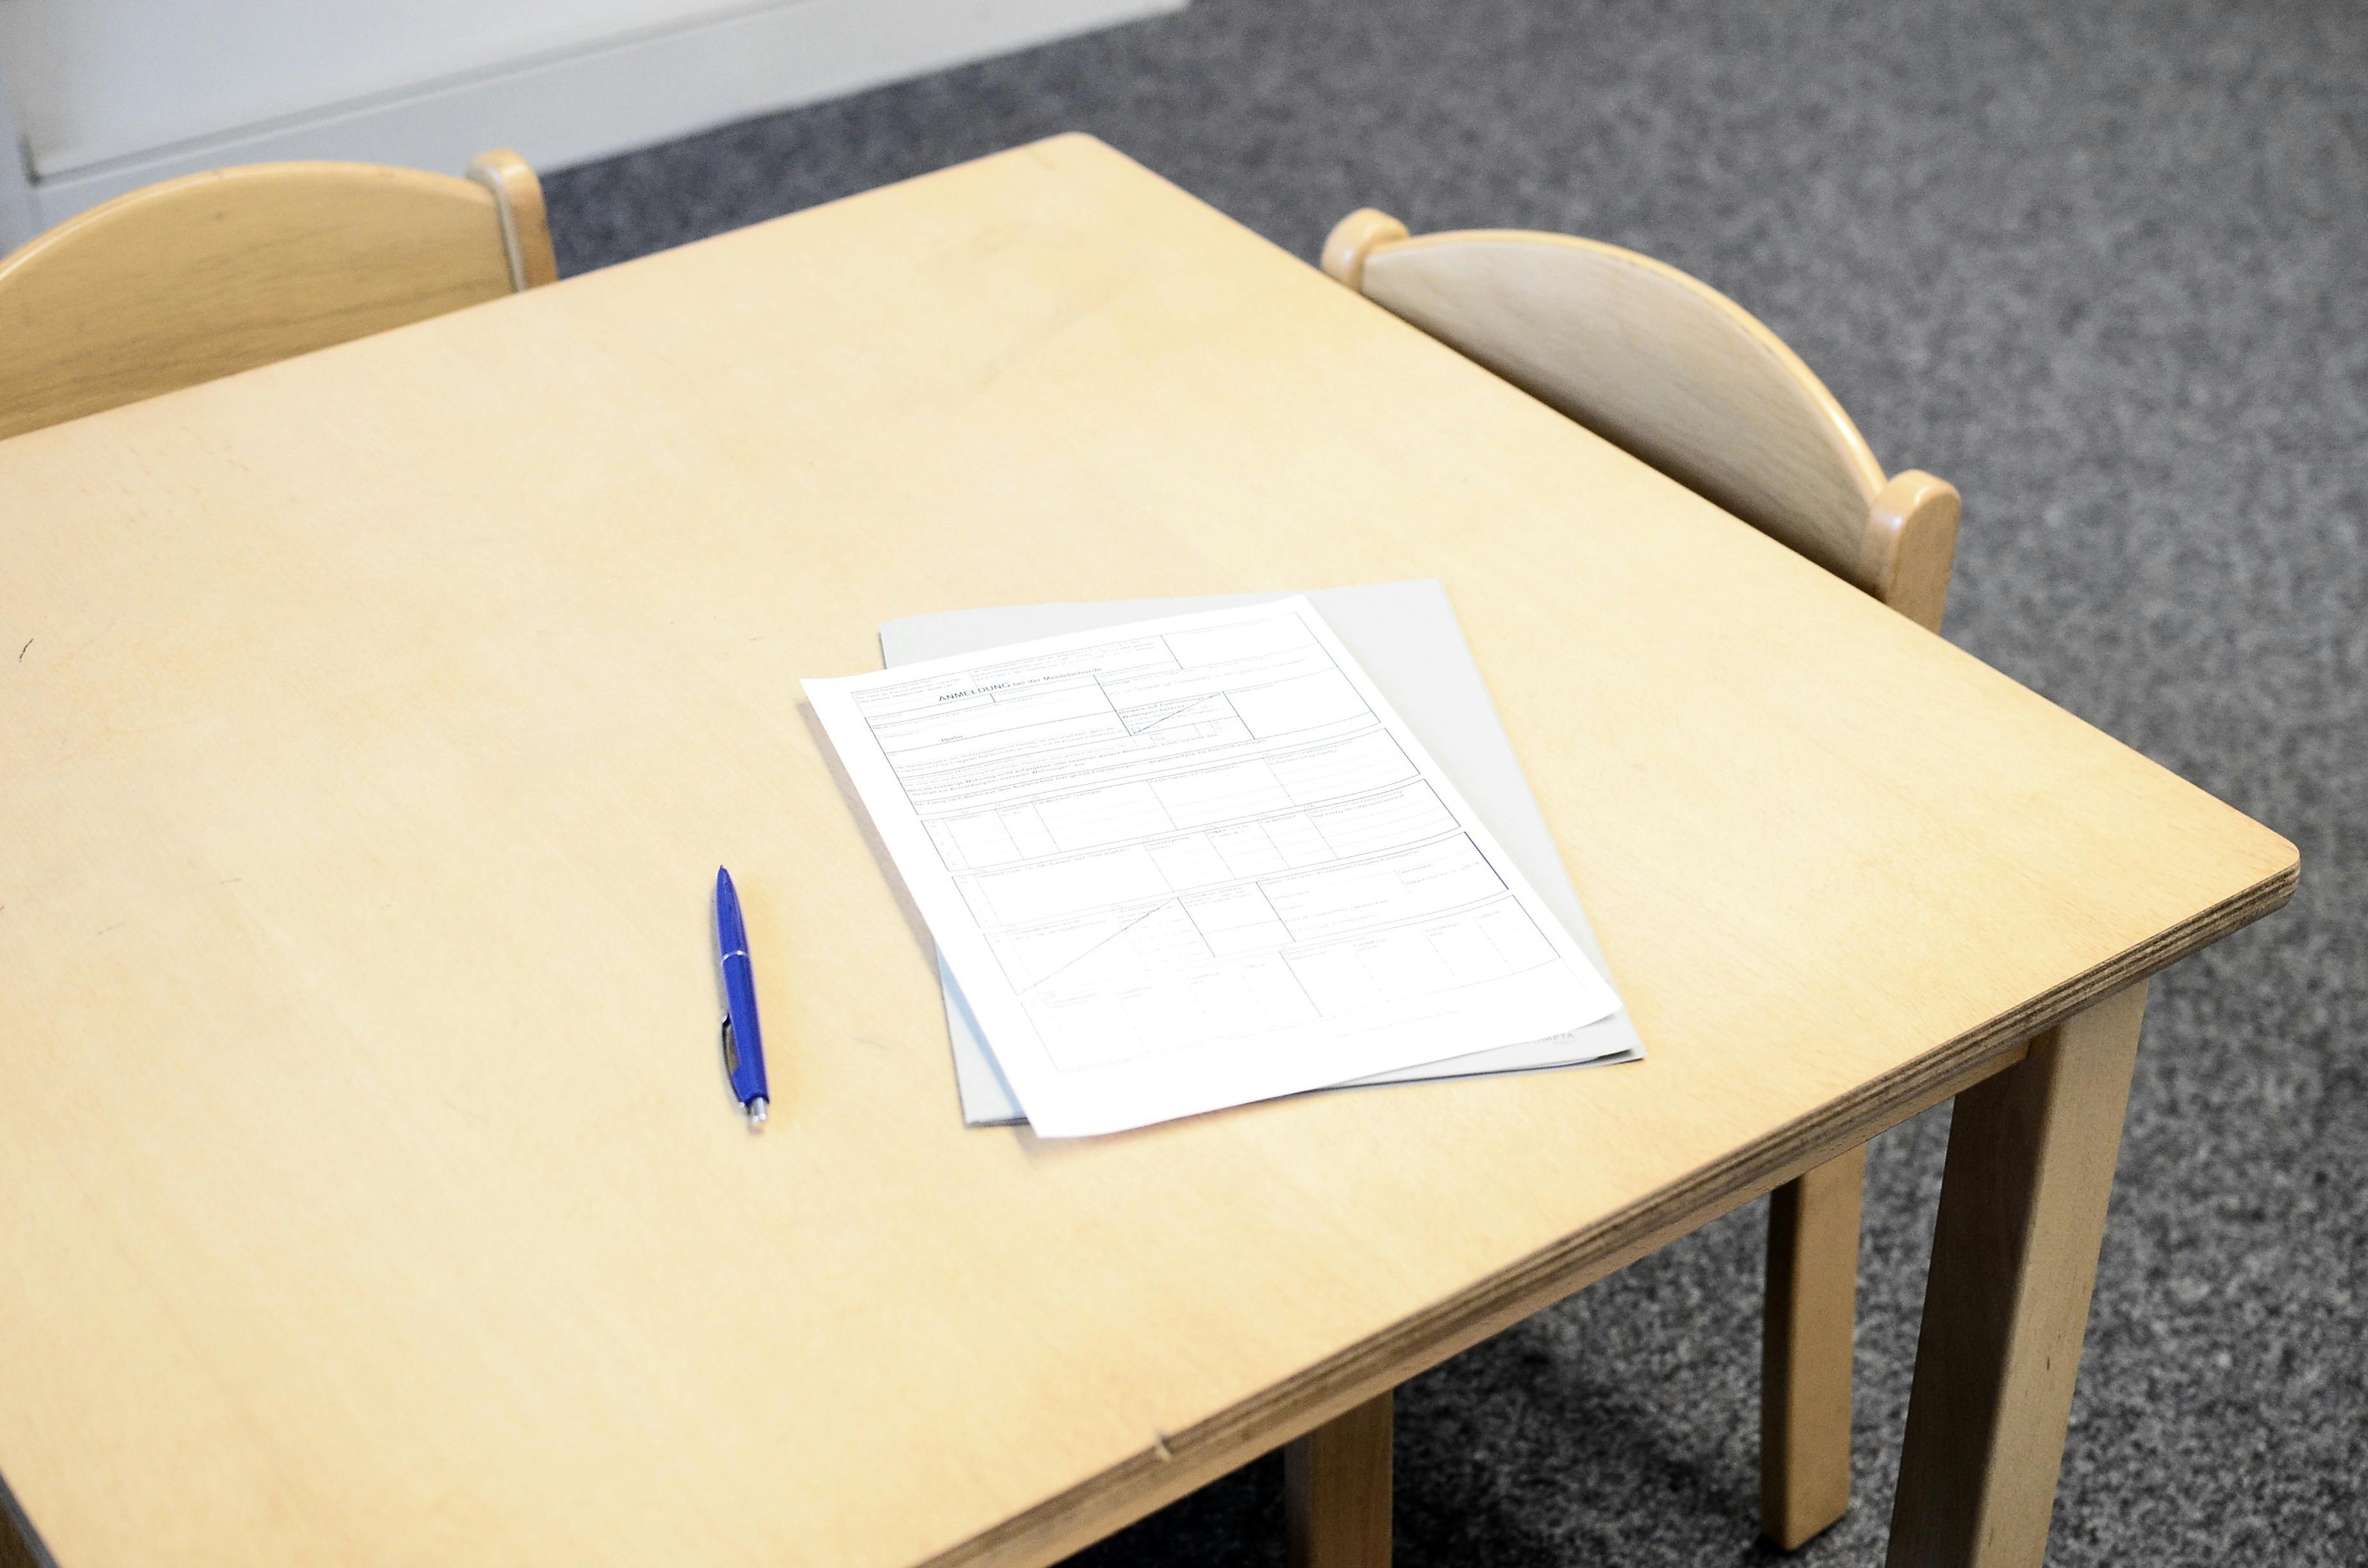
1172, 1464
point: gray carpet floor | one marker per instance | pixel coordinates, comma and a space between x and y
2104, 266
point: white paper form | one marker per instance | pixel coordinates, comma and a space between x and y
1407, 638
1194, 862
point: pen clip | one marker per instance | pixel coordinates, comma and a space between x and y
731, 1048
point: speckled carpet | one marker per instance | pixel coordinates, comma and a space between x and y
2104, 266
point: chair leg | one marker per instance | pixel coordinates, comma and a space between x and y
1805, 1393
2014, 1259
1336, 1487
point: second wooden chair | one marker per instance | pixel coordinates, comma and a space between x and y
1679, 375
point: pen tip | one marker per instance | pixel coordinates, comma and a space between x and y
757, 1108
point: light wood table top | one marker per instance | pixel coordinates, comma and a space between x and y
371, 728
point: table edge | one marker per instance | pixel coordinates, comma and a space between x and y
1176, 1464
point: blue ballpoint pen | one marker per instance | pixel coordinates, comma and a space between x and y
744, 1041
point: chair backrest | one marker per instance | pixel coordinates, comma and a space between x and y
199, 276
1674, 371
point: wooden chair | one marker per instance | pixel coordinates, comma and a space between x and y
196, 277
1687, 380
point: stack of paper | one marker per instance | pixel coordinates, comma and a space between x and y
1176, 861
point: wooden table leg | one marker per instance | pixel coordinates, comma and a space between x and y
1336, 1487
2014, 1257
1804, 1369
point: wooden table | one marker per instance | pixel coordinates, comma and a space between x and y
371, 726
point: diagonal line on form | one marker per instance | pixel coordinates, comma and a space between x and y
1186, 708
1105, 942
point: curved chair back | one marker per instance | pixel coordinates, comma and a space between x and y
1663, 366
197, 278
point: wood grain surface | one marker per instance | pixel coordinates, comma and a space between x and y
371, 725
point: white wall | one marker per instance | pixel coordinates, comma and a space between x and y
98, 80
18, 217
109, 95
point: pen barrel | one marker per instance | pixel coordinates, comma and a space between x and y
748, 1037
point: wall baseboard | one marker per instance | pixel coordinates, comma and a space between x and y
601, 100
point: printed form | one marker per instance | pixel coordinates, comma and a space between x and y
1194, 862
